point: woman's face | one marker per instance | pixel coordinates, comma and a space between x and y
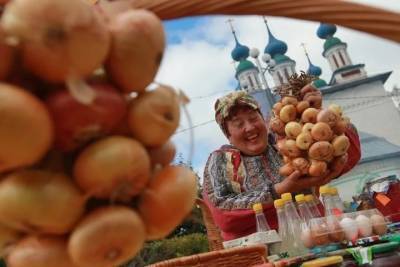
247, 131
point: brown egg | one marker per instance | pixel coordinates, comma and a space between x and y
378, 224
336, 233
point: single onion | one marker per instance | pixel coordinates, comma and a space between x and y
169, 197
60, 38
106, 237
40, 251
137, 48
76, 124
114, 167
154, 116
36, 201
26, 128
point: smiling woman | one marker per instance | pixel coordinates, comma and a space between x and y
246, 172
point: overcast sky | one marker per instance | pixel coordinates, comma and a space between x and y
198, 61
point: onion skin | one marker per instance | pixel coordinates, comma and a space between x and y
154, 116
76, 124
115, 166
60, 38
137, 48
25, 195
40, 251
26, 128
107, 237
162, 155
169, 197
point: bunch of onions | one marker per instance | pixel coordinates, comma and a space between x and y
85, 165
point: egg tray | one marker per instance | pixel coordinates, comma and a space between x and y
346, 228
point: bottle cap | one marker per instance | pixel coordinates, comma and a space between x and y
278, 203
286, 197
334, 191
325, 190
309, 198
257, 207
300, 198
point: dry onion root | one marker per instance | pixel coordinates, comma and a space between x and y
59, 39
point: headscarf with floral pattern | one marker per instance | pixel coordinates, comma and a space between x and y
224, 105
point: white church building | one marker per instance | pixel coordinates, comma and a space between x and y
373, 110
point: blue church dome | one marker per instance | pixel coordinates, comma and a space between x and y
240, 52
275, 46
326, 30
314, 70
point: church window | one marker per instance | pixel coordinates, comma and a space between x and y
342, 58
286, 74
251, 82
335, 60
280, 77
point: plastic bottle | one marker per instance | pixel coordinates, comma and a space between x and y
294, 225
337, 202
312, 204
261, 221
282, 226
327, 200
304, 211
269, 235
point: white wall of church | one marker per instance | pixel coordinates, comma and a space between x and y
370, 108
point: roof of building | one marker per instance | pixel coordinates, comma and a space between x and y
343, 69
279, 58
376, 148
244, 65
331, 42
352, 84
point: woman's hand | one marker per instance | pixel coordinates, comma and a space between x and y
295, 182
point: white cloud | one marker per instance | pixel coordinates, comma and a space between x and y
201, 64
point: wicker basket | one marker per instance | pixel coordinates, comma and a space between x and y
376, 21
213, 232
372, 20
246, 256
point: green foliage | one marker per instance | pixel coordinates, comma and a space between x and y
160, 250
192, 224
